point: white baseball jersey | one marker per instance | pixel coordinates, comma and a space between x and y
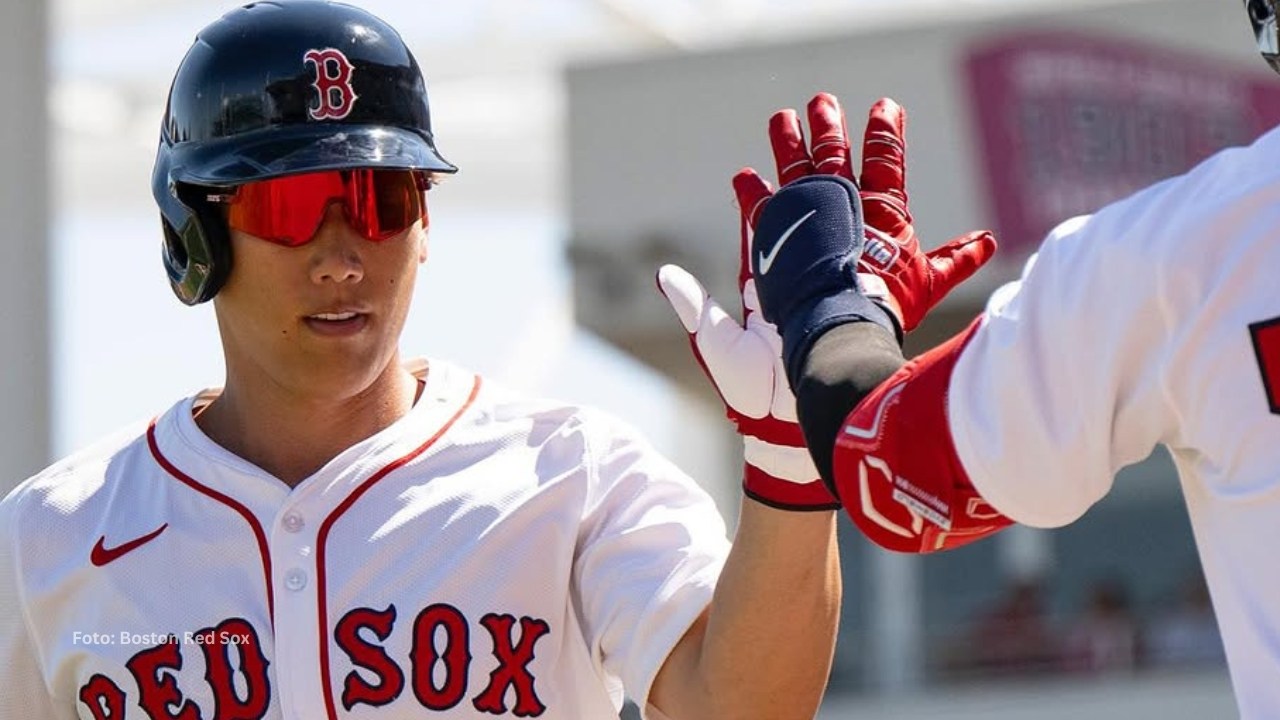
484, 556
1154, 321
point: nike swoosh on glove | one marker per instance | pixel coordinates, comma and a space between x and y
805, 250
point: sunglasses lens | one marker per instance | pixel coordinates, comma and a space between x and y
383, 203
288, 211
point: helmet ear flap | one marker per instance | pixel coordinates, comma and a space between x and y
197, 245
176, 260
1259, 10
1262, 16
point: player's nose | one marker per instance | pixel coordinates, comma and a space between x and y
336, 250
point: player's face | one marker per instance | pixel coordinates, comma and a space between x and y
323, 318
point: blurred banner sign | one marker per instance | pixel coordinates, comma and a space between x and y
1068, 123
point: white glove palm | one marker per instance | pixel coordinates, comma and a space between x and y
744, 363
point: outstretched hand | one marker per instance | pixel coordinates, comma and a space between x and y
743, 362
915, 281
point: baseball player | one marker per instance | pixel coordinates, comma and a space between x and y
1154, 321
337, 533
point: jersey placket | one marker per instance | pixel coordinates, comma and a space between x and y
300, 538
298, 636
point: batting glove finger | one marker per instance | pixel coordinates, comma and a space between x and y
830, 141
790, 152
752, 192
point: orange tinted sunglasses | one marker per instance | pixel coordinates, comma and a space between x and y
288, 211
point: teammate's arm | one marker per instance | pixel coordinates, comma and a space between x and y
1026, 415
844, 366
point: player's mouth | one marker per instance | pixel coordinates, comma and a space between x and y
342, 323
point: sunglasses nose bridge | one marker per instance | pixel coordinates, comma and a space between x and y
336, 218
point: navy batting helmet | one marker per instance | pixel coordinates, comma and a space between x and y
278, 88
1262, 15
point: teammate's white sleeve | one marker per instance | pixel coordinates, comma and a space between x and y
23, 692
650, 549
1065, 381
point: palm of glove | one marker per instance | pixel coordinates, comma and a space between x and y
743, 361
766, 409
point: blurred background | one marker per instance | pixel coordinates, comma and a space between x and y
596, 139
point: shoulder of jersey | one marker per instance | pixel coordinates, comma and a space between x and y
71, 480
1228, 176
1173, 215
500, 403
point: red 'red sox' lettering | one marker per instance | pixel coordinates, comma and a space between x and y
440, 660
227, 703
438, 668
355, 689
103, 697
513, 666
155, 672
157, 688
456, 656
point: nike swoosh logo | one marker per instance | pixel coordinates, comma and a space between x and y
766, 259
101, 554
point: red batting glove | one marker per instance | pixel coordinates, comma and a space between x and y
744, 363
914, 280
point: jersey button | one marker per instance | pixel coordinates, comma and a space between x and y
293, 522
295, 579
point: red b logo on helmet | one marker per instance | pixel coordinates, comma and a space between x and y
332, 84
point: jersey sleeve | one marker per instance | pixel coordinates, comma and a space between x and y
651, 547
23, 694
1065, 379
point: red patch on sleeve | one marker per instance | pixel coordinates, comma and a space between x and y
1266, 347
896, 466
